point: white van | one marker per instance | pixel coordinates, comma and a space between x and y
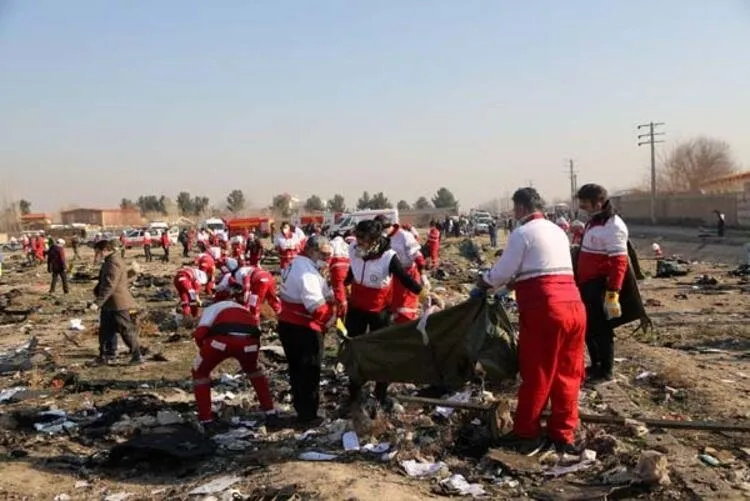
213, 224
156, 228
349, 221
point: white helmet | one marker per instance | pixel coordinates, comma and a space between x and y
60, 242
232, 264
655, 247
201, 276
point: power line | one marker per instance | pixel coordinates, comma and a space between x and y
651, 140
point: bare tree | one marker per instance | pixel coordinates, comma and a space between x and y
693, 163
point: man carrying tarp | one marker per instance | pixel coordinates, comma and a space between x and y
601, 269
537, 264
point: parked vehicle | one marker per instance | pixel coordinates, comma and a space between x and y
482, 225
349, 221
11, 246
261, 226
135, 239
214, 224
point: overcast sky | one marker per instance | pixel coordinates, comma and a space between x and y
101, 100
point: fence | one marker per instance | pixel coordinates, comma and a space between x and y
685, 209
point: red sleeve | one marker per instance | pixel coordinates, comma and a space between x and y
272, 299
420, 262
618, 266
323, 314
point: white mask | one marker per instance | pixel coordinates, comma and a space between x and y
320, 263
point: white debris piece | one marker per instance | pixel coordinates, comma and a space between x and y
377, 449
416, 469
216, 485
220, 397
350, 441
119, 496
82, 484
388, 456
306, 434
76, 324
56, 425
644, 375
459, 485
6, 395
62, 497
317, 456
230, 379
236, 440
240, 422
559, 471
461, 396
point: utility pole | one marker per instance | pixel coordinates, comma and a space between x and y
573, 187
650, 138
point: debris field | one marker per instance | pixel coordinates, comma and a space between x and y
673, 424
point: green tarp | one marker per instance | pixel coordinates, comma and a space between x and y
477, 330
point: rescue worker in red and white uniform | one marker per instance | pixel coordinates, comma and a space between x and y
563, 224
216, 253
237, 250
373, 266
253, 251
338, 268
307, 311
166, 243
287, 244
228, 330
207, 264
576, 232
537, 264
25, 243
433, 245
249, 286
188, 282
213, 239
300, 236
404, 303
600, 271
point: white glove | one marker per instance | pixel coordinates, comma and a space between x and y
426, 282
94, 307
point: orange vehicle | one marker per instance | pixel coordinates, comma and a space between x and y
261, 226
305, 220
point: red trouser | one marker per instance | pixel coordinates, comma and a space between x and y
551, 347
434, 256
339, 269
210, 273
214, 351
404, 303
188, 296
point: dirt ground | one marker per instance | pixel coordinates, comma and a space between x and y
694, 366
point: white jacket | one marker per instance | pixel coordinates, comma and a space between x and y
302, 283
406, 246
535, 249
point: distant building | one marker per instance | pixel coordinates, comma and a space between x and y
103, 217
37, 221
733, 183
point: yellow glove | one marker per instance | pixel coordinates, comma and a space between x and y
198, 302
612, 305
